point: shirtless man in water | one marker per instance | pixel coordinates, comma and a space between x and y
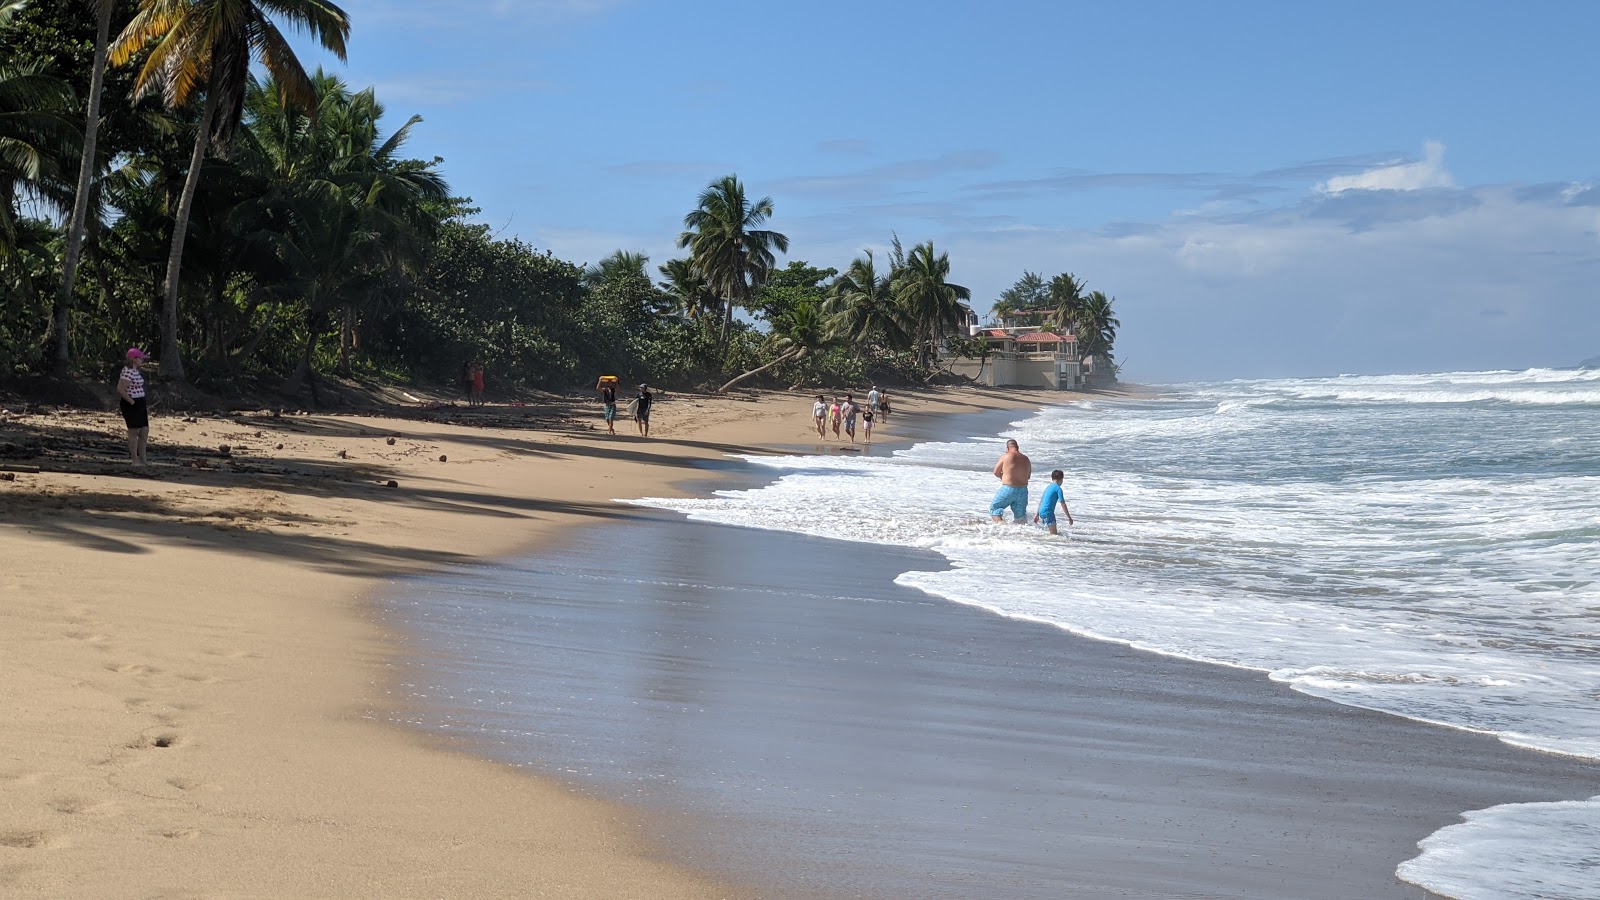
1013, 470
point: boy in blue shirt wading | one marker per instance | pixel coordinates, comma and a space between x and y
1047, 505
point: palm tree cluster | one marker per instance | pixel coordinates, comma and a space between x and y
169, 170
871, 312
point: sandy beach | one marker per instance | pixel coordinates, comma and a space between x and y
198, 692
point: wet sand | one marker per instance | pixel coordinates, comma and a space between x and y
794, 718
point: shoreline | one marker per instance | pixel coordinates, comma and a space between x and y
848, 737
195, 667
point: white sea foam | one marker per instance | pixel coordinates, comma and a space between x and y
1518, 851
1422, 545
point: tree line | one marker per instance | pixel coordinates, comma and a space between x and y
170, 170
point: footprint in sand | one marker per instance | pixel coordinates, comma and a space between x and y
164, 741
29, 840
132, 669
180, 834
83, 806
100, 641
193, 784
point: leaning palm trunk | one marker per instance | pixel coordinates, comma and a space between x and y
80, 205
171, 362
792, 354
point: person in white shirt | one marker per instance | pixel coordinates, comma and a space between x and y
872, 398
135, 413
819, 412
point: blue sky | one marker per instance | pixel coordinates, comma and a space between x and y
1268, 189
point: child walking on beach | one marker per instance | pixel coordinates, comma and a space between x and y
866, 423
837, 415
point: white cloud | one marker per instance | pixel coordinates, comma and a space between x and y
1428, 172
1300, 293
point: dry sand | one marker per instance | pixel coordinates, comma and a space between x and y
197, 694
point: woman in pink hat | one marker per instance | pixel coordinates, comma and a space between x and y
130, 390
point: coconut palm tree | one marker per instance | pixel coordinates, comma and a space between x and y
622, 263
1097, 326
1066, 295
725, 242
689, 288
36, 137
797, 332
342, 213
862, 307
78, 222
208, 46
932, 303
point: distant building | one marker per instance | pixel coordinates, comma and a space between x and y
1023, 355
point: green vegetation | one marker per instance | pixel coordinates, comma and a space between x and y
170, 173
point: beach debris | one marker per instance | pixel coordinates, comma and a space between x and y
8, 476
443, 458
225, 449
277, 414
391, 483
278, 447
19, 468
190, 419
344, 454
391, 442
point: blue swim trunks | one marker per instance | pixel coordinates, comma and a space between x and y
1047, 518
1014, 497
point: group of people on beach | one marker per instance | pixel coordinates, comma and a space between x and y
843, 415
638, 407
1014, 469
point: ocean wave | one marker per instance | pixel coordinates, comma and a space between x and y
1516, 851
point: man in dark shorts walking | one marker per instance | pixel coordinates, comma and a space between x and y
641, 409
135, 413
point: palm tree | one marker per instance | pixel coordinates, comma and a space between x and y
798, 332
622, 263
342, 214
688, 287
1097, 326
78, 223
1066, 295
208, 45
726, 244
925, 293
862, 307
35, 138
